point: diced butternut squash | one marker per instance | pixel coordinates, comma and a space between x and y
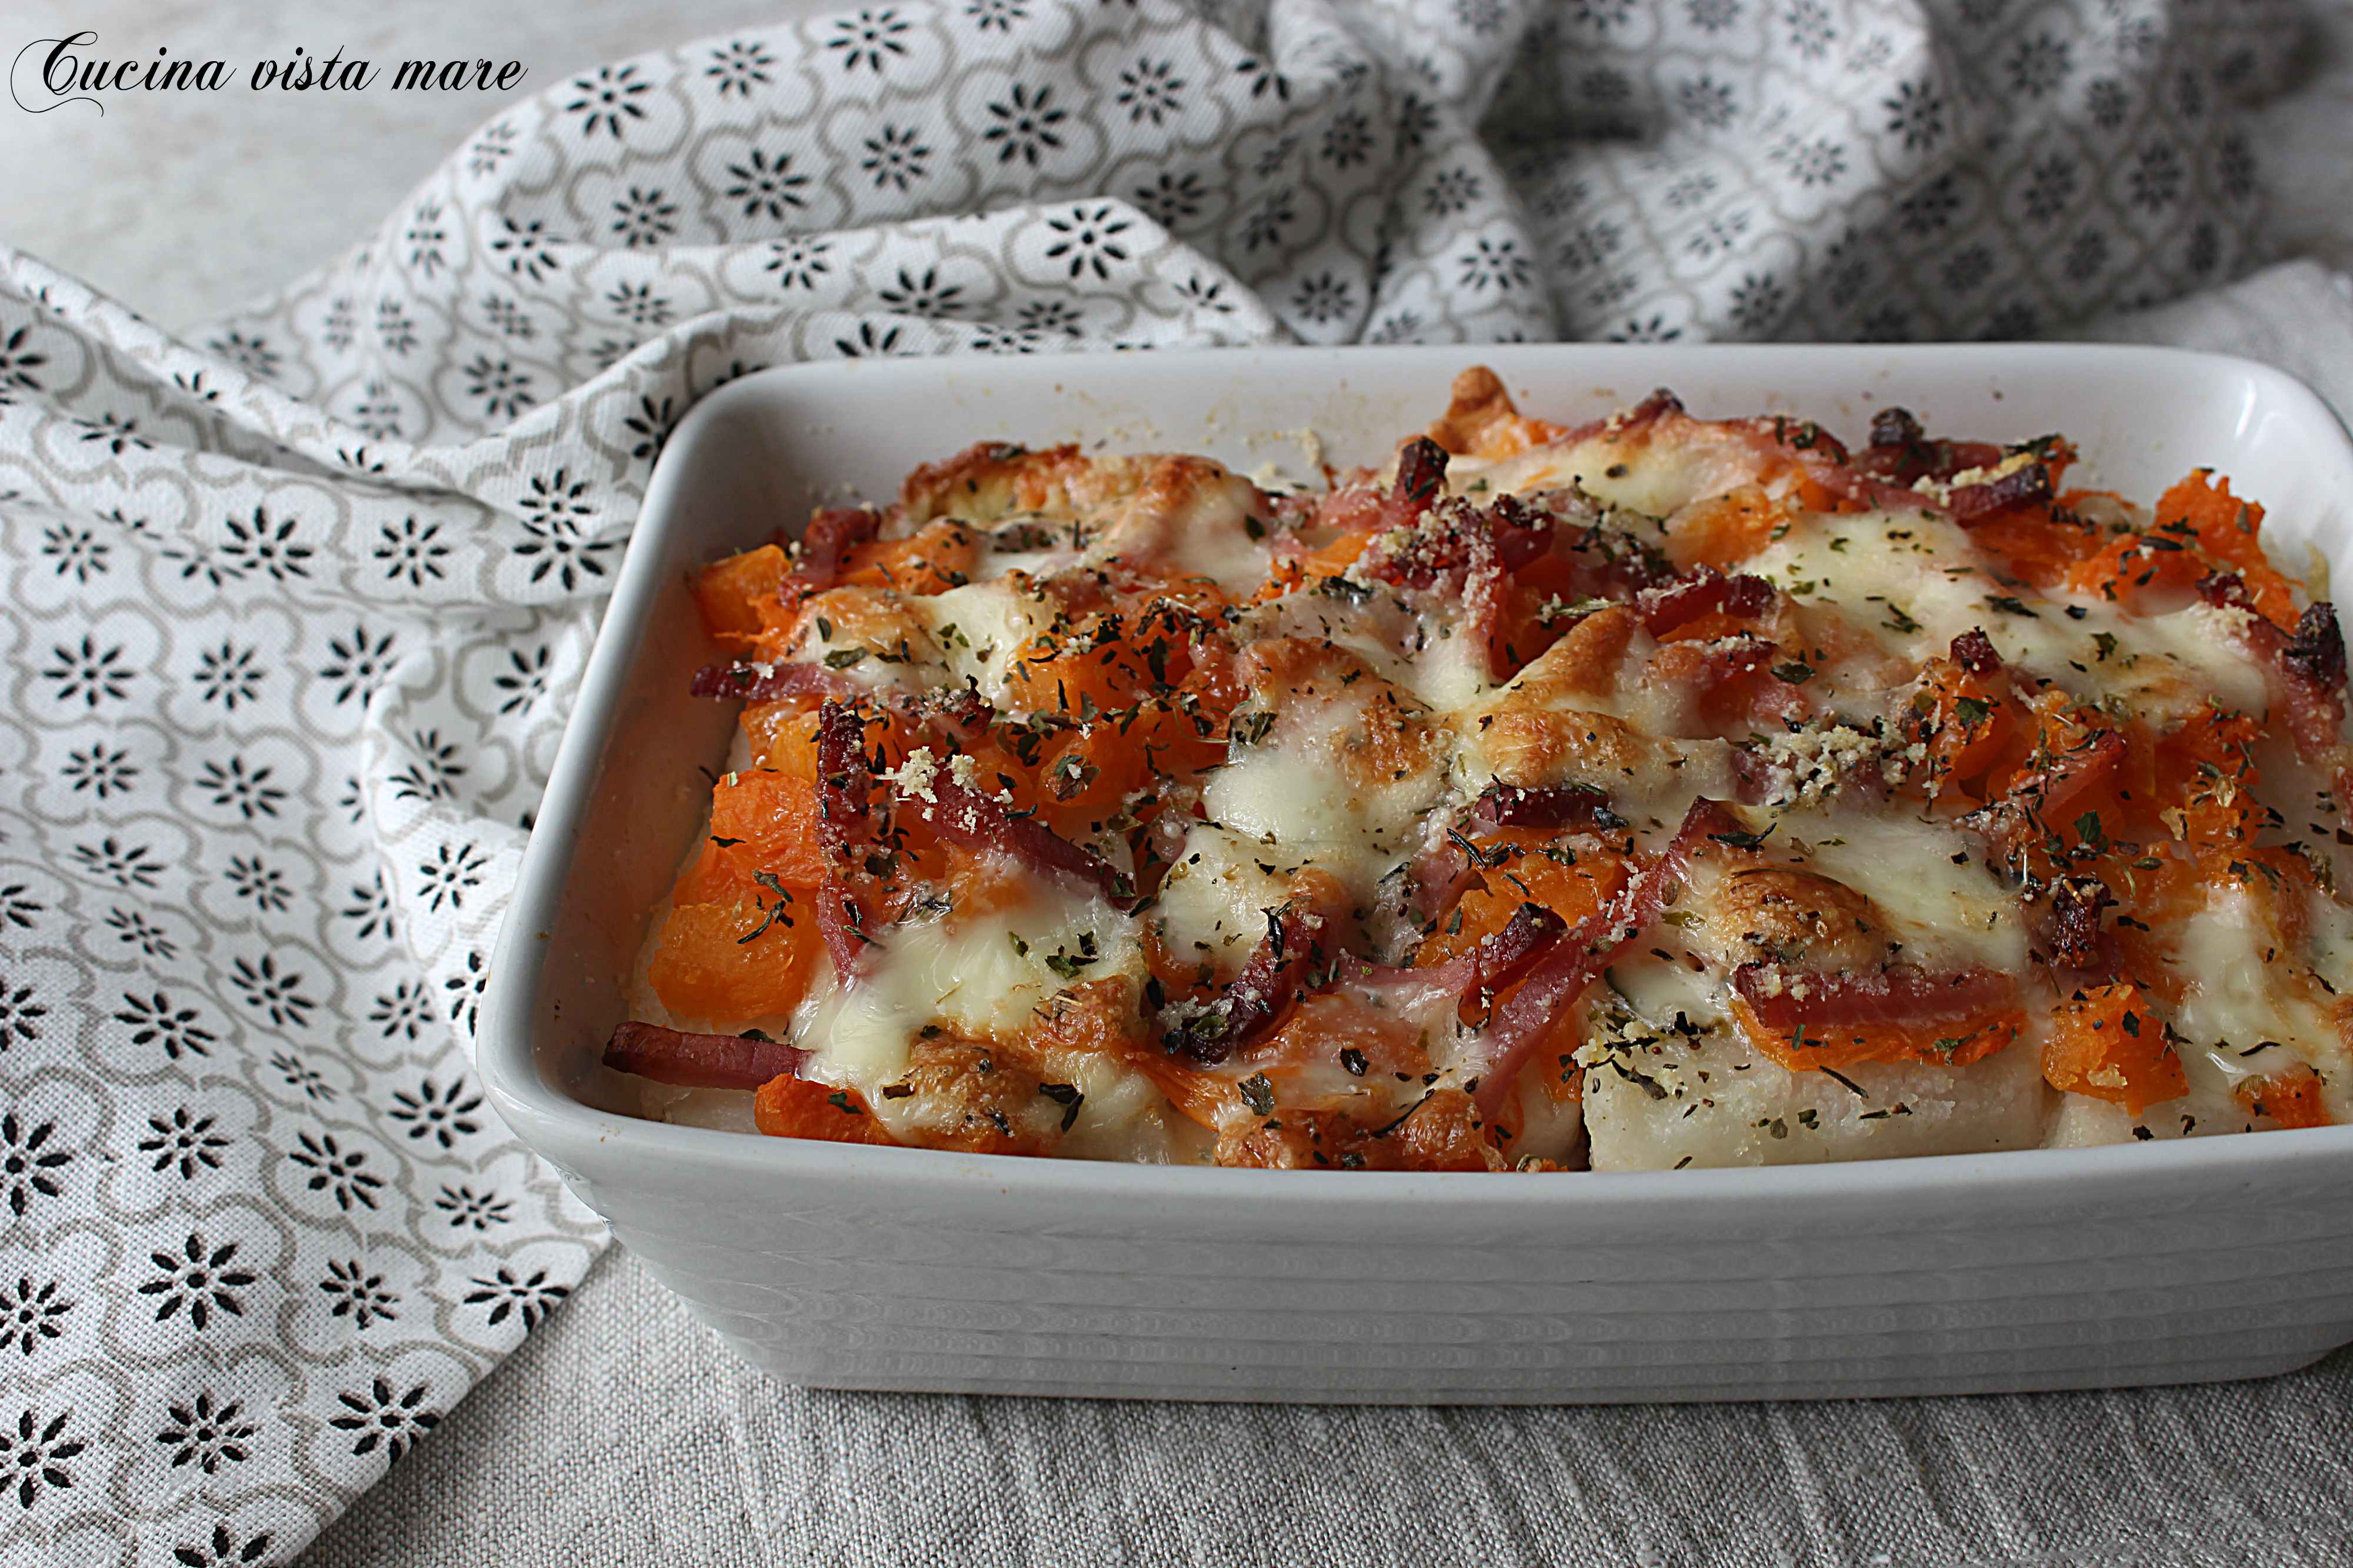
2108, 1043
791, 1108
767, 819
938, 557
2290, 1099
733, 961
1952, 1042
1522, 872
1726, 530
732, 593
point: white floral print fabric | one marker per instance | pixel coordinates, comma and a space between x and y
295, 604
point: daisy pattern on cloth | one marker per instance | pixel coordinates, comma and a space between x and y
296, 603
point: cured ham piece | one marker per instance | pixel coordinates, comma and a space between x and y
1499, 961
1264, 995
826, 545
1559, 808
1702, 590
2305, 669
1457, 538
1451, 545
962, 814
1901, 452
699, 1061
2068, 927
1658, 408
1437, 877
1902, 994
1290, 963
2020, 487
771, 682
845, 784
1575, 959
1973, 651
1365, 507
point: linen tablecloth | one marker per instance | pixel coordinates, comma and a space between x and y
295, 603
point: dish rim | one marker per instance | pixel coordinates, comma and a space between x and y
563, 1129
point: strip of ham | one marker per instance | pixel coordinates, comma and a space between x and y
1706, 668
1367, 508
1901, 452
2020, 487
1786, 999
1440, 874
1264, 995
1557, 808
1660, 407
1973, 651
1458, 538
1437, 877
699, 1061
1552, 985
1499, 961
2068, 927
2305, 669
1486, 604
1869, 481
825, 546
1704, 591
771, 682
1420, 473
1470, 551
845, 784
962, 814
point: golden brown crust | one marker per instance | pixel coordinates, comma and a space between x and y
1585, 662
876, 620
1169, 507
1535, 748
992, 480
1780, 914
1479, 419
1442, 1132
1393, 736
1540, 731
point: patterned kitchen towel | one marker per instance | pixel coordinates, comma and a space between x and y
295, 604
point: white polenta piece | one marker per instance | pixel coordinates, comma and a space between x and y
1712, 1101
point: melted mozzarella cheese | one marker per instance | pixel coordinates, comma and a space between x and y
1567, 719
1914, 581
1191, 518
1213, 905
1640, 472
871, 636
2249, 1012
1301, 789
980, 630
1417, 651
982, 975
1678, 1101
1944, 911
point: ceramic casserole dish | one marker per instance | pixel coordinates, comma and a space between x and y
857, 1267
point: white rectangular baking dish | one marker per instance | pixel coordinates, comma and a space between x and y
863, 1267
